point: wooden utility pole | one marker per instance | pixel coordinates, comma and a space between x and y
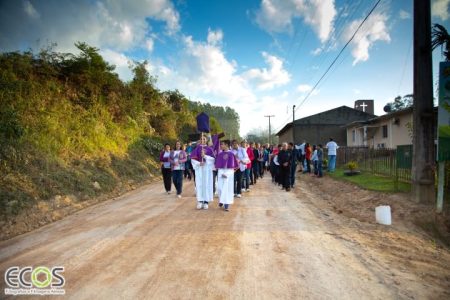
423, 138
270, 130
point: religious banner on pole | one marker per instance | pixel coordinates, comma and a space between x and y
444, 112
203, 122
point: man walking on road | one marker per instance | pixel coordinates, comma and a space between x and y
242, 158
332, 151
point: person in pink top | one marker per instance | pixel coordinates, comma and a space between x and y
248, 168
177, 159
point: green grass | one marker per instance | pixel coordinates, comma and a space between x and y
372, 182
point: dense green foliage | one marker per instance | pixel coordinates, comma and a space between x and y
67, 121
401, 103
227, 117
441, 38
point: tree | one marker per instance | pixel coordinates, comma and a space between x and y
399, 103
227, 117
440, 37
259, 135
176, 100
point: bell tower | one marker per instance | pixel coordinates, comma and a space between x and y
365, 106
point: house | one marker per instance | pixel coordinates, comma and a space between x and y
318, 128
386, 131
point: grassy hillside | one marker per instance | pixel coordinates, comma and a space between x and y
70, 126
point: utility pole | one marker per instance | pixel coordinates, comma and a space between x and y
270, 132
423, 137
293, 124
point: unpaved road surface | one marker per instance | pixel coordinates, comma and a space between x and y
272, 244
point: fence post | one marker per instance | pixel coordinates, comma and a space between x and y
441, 179
391, 162
396, 172
371, 160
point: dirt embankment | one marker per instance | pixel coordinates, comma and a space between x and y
418, 241
58, 207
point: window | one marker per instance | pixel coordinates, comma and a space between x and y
385, 131
353, 135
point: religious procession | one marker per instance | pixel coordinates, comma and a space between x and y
227, 168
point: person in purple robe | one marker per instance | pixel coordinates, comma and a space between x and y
202, 159
226, 163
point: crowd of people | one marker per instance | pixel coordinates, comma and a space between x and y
229, 168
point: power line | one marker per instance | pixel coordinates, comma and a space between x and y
404, 66
340, 21
339, 54
338, 30
335, 59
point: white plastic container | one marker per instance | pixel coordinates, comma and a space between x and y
383, 214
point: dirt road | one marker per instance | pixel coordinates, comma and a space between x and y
272, 244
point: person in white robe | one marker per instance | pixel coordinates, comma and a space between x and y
202, 159
226, 163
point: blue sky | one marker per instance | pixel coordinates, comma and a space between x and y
257, 56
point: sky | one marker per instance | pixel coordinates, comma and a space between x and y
259, 57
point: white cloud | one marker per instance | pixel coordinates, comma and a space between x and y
277, 15
320, 14
201, 71
373, 30
214, 37
356, 91
149, 43
30, 10
120, 61
274, 76
439, 8
317, 51
304, 88
404, 15
119, 25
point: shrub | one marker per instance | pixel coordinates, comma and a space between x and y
353, 165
